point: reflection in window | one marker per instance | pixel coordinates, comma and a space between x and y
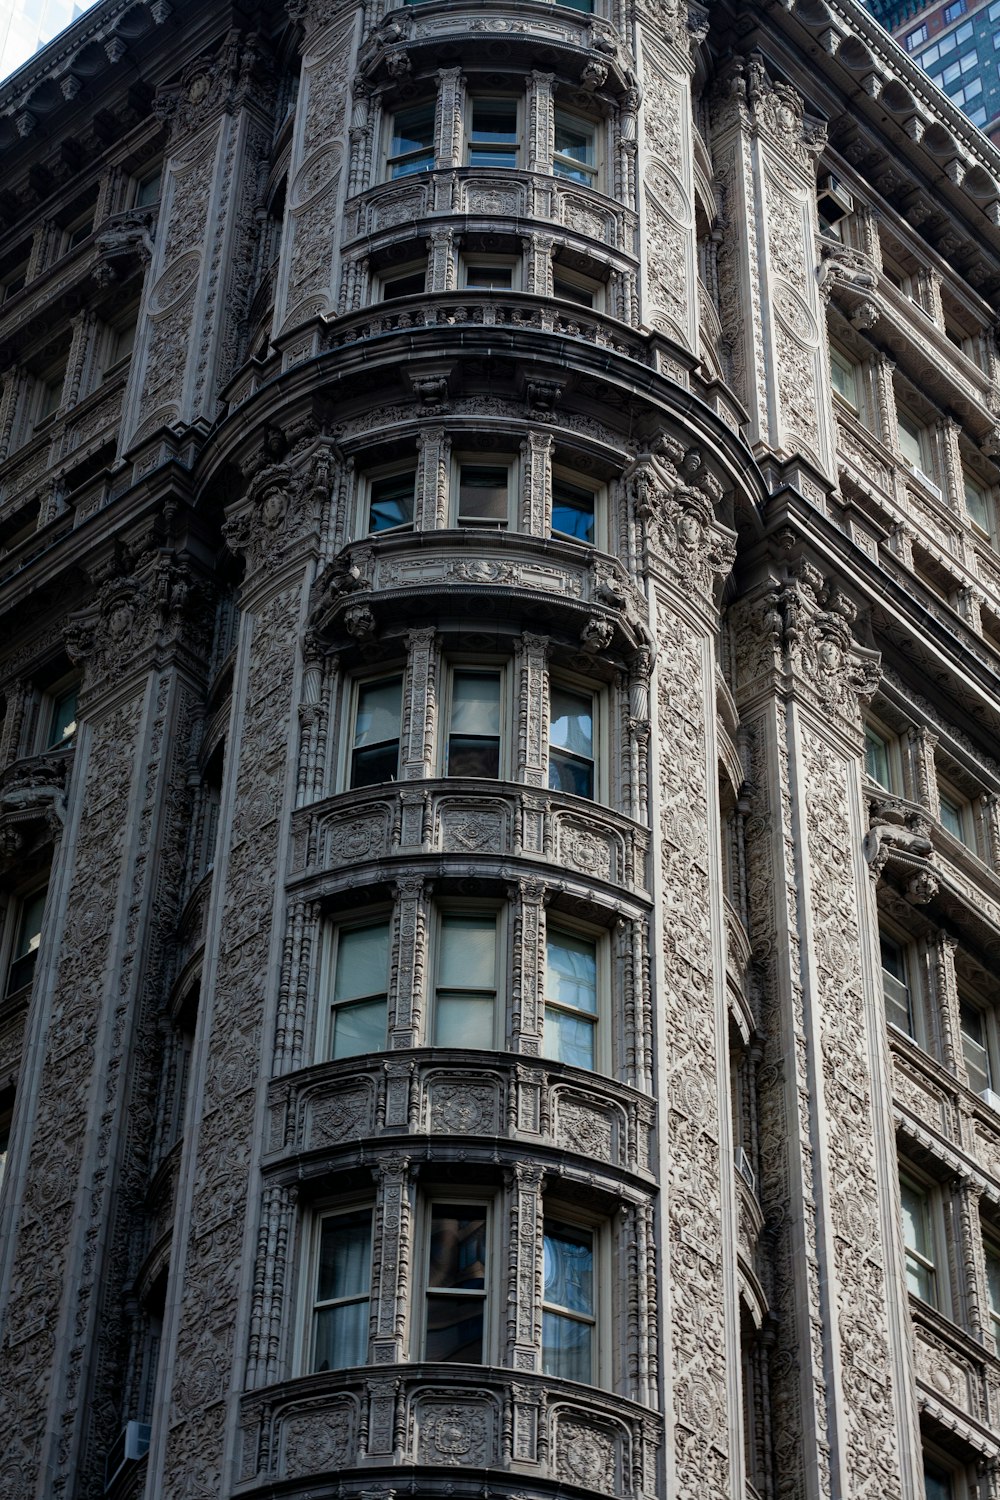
493, 133
411, 147
466, 991
575, 154
572, 510
360, 984
474, 737
390, 501
340, 1319
456, 1283
570, 999
568, 1320
571, 742
375, 755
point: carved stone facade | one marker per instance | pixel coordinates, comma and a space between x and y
499, 797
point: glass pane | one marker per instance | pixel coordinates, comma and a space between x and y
993, 1282
148, 191
475, 703
586, 6
482, 492
569, 1268
358, 1028
574, 140
455, 1329
951, 818
473, 757
569, 775
571, 971
464, 1021
843, 377
570, 291
569, 1039
341, 1336
378, 711
918, 1241
567, 1348
573, 508
362, 961
405, 286
412, 129
937, 1485
493, 278
494, 120
876, 758
909, 442
895, 988
423, 161
572, 722
974, 1047
29, 932
468, 952
344, 1256
381, 763
63, 722
976, 504
457, 1255
391, 504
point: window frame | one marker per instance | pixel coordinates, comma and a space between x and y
328, 1004
949, 796
563, 474
14, 926
851, 369
346, 779
490, 1298
516, 148
571, 684
991, 1252
910, 982
602, 1063
493, 666
321, 1215
57, 692
372, 477
471, 908
477, 258
969, 999
984, 494
907, 422
571, 277
404, 271
936, 1262
425, 154
485, 460
141, 181
876, 731
600, 1230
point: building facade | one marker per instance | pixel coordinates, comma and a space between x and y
958, 43
499, 794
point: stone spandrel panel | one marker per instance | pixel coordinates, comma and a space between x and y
667, 189
214, 1196
317, 178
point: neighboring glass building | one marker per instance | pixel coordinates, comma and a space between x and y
958, 42
26, 25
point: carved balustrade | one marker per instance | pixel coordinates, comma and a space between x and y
491, 820
536, 1428
481, 1098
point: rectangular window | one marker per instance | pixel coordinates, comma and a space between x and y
489, 275
456, 1283
411, 142
573, 508
569, 1322
992, 1253
844, 377
976, 1046
896, 985
391, 499
915, 37
474, 727
466, 989
493, 134
571, 742
484, 494
575, 151
343, 1280
955, 817
62, 717
570, 1033
404, 281
586, 7
947, 43
953, 11
49, 392
878, 765
360, 985
977, 503
26, 942
913, 444
375, 751
918, 1240
937, 1483
571, 286
147, 189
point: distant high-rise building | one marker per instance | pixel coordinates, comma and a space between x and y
26, 25
958, 43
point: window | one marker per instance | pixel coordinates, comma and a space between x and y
570, 1033
584, 6
61, 706
48, 393
13, 282
27, 939
390, 500
953, 11
992, 1254
575, 151
466, 990
404, 281
956, 815
977, 503
360, 965
844, 377
411, 141
937, 1483
375, 752
147, 189
484, 489
456, 1283
120, 340
343, 1280
571, 742
80, 230
570, 286
896, 985
573, 509
878, 761
915, 37
5, 1120
496, 274
978, 1043
473, 747
493, 133
569, 1323
918, 1241
914, 447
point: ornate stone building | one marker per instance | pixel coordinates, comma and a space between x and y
499, 789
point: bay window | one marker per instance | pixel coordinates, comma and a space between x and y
473, 747
574, 154
391, 499
569, 1322
573, 509
482, 491
342, 1291
411, 141
375, 741
455, 1328
465, 995
358, 990
570, 1027
493, 132
572, 762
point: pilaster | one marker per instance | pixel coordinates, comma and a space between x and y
920, 773
15, 381
449, 121
540, 121
434, 457
420, 704
410, 950
666, 193
531, 667
527, 978
536, 483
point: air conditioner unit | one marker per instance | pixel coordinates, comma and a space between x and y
832, 199
992, 1098
132, 1443
744, 1168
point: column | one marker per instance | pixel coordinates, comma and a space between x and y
442, 260
391, 1280
765, 151
524, 1288
944, 1002
537, 262
972, 1260
15, 381
885, 401
536, 483
824, 1089
79, 365
268, 1313
434, 459
527, 978
920, 774
946, 433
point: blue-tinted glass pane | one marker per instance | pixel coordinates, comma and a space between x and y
358, 1028
341, 1336
63, 723
569, 1039
571, 971
573, 508
391, 500
567, 1348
